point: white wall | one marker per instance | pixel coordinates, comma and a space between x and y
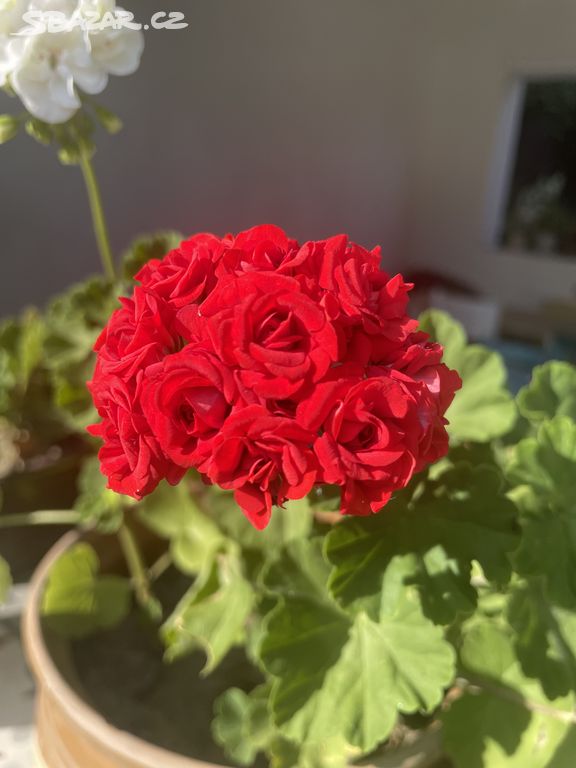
376, 117
476, 55
263, 110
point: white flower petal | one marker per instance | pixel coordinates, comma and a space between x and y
46, 70
99, 6
63, 6
11, 12
87, 74
61, 91
118, 51
5, 60
41, 98
46, 90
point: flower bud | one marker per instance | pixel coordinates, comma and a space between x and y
108, 119
9, 127
39, 131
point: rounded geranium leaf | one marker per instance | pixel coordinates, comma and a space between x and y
484, 408
551, 392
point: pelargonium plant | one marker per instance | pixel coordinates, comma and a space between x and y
388, 593
304, 482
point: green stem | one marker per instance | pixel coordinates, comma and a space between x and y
138, 570
44, 517
98, 220
160, 566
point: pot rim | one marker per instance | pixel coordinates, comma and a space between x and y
122, 743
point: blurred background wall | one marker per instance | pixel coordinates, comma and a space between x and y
386, 119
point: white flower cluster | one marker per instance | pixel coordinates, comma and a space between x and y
47, 70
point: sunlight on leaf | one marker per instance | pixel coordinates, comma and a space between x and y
483, 408
77, 600
211, 617
465, 518
349, 677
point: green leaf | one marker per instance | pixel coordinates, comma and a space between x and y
30, 345
289, 523
168, 510
544, 466
551, 392
77, 600
7, 380
547, 464
548, 548
195, 538
242, 724
446, 331
71, 395
302, 640
504, 720
300, 570
148, 247
293, 521
484, 408
544, 638
5, 580
74, 321
484, 731
444, 585
334, 752
211, 616
349, 680
25, 392
21, 350
97, 505
283, 754
195, 548
487, 649
465, 518
9, 127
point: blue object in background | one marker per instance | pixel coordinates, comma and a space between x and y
521, 358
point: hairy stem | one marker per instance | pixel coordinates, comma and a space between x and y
160, 566
97, 211
137, 569
43, 517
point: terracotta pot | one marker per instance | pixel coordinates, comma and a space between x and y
70, 734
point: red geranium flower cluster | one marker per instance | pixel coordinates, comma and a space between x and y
270, 367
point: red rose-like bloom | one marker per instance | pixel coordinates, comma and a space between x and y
264, 326
369, 439
265, 459
270, 366
131, 457
186, 399
375, 433
185, 275
136, 336
263, 249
